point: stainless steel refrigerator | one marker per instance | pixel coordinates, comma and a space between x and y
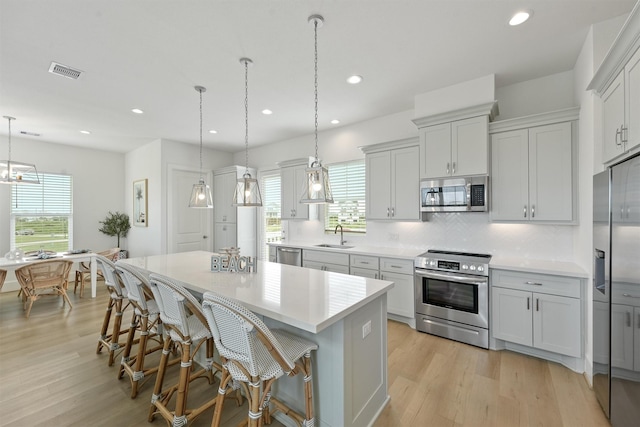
616, 292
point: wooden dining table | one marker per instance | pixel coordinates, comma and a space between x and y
13, 264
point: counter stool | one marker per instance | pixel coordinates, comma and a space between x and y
145, 323
256, 357
118, 303
185, 324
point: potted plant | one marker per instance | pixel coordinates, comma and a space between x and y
116, 224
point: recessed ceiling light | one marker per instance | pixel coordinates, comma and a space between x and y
520, 17
354, 80
213, 131
137, 111
86, 132
266, 111
335, 121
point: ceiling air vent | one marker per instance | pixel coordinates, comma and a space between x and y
64, 71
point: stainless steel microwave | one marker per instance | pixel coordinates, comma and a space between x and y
463, 194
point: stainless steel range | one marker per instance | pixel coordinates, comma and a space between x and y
452, 296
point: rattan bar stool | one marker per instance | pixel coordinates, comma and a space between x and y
145, 323
255, 356
185, 324
116, 305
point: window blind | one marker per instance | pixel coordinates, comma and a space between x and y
52, 197
348, 188
271, 201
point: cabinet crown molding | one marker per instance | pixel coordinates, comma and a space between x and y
385, 146
236, 168
295, 162
622, 49
488, 109
565, 115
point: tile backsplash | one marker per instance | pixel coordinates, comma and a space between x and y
468, 232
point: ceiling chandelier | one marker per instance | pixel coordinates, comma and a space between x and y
247, 190
317, 188
201, 192
12, 172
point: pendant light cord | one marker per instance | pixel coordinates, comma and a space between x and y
246, 116
315, 32
200, 90
9, 140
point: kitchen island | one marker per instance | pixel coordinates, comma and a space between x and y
345, 315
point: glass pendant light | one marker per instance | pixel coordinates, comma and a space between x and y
201, 192
12, 172
317, 188
247, 191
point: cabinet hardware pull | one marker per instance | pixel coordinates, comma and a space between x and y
532, 283
628, 318
537, 304
638, 320
527, 303
388, 211
393, 212
375, 276
381, 276
533, 211
364, 262
447, 168
629, 296
624, 136
453, 168
396, 266
524, 211
619, 134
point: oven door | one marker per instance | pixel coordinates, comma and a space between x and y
455, 297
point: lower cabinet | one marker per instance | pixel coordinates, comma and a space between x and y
326, 261
537, 310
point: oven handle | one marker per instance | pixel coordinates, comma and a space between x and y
475, 280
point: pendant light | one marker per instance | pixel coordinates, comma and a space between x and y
201, 193
247, 191
317, 188
12, 172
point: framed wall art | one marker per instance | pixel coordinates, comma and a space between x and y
140, 217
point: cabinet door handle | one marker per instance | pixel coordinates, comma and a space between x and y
388, 212
628, 318
393, 212
527, 303
624, 135
453, 168
364, 262
619, 136
638, 320
532, 283
537, 304
381, 276
375, 276
447, 168
629, 296
524, 211
533, 211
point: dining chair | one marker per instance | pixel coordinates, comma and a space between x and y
255, 357
145, 329
43, 278
185, 324
3, 275
116, 306
84, 269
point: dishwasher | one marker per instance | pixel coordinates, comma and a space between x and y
290, 256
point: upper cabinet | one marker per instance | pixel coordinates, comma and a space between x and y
455, 143
533, 170
617, 81
224, 185
393, 180
293, 179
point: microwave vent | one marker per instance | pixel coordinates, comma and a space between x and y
64, 71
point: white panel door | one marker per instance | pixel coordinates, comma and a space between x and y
556, 324
435, 158
621, 336
510, 175
511, 313
189, 229
550, 173
470, 146
378, 185
405, 184
612, 119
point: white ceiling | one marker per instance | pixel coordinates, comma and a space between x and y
150, 55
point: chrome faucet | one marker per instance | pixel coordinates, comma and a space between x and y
342, 241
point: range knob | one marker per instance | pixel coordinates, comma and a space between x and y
432, 262
472, 267
480, 268
465, 267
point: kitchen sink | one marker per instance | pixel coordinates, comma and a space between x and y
326, 245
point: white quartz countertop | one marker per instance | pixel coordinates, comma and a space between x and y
301, 297
401, 253
560, 268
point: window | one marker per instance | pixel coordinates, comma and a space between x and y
42, 215
271, 224
348, 188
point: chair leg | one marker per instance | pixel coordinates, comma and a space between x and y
255, 412
308, 391
114, 342
133, 327
162, 366
185, 371
138, 370
105, 325
222, 391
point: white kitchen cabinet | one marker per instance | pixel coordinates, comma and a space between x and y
533, 174
458, 148
293, 179
393, 183
537, 310
234, 226
326, 261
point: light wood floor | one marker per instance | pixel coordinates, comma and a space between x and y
50, 375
